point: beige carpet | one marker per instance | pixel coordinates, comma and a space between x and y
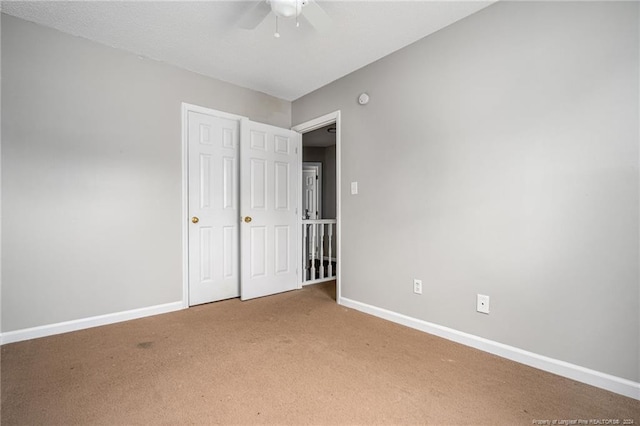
294, 358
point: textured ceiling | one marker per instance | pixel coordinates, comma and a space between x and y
204, 37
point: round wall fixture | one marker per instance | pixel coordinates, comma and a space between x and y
363, 99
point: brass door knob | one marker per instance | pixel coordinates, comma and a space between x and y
195, 219
247, 219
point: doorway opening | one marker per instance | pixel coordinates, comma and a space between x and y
320, 200
319, 204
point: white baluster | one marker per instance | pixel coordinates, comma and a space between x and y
305, 259
313, 251
330, 231
321, 250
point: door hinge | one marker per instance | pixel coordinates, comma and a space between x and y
316, 177
296, 149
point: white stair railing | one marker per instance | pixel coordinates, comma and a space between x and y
318, 251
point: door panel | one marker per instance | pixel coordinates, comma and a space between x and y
282, 249
282, 179
258, 259
258, 184
213, 187
268, 196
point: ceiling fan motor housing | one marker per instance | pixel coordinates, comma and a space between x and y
287, 8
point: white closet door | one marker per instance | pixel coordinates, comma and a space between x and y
269, 188
213, 208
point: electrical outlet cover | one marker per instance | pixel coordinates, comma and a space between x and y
483, 304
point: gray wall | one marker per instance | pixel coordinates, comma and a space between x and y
329, 182
500, 156
91, 174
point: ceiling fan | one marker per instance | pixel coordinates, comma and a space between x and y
286, 9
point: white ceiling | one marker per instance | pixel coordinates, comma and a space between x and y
203, 36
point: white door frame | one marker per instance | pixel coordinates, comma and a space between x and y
308, 126
186, 108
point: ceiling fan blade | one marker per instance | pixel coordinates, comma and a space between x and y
316, 15
254, 16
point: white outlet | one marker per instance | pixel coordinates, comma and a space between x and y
417, 286
483, 304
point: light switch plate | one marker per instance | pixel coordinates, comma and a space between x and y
354, 188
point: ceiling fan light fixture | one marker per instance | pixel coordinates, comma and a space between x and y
287, 8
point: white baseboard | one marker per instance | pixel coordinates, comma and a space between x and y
80, 324
581, 374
